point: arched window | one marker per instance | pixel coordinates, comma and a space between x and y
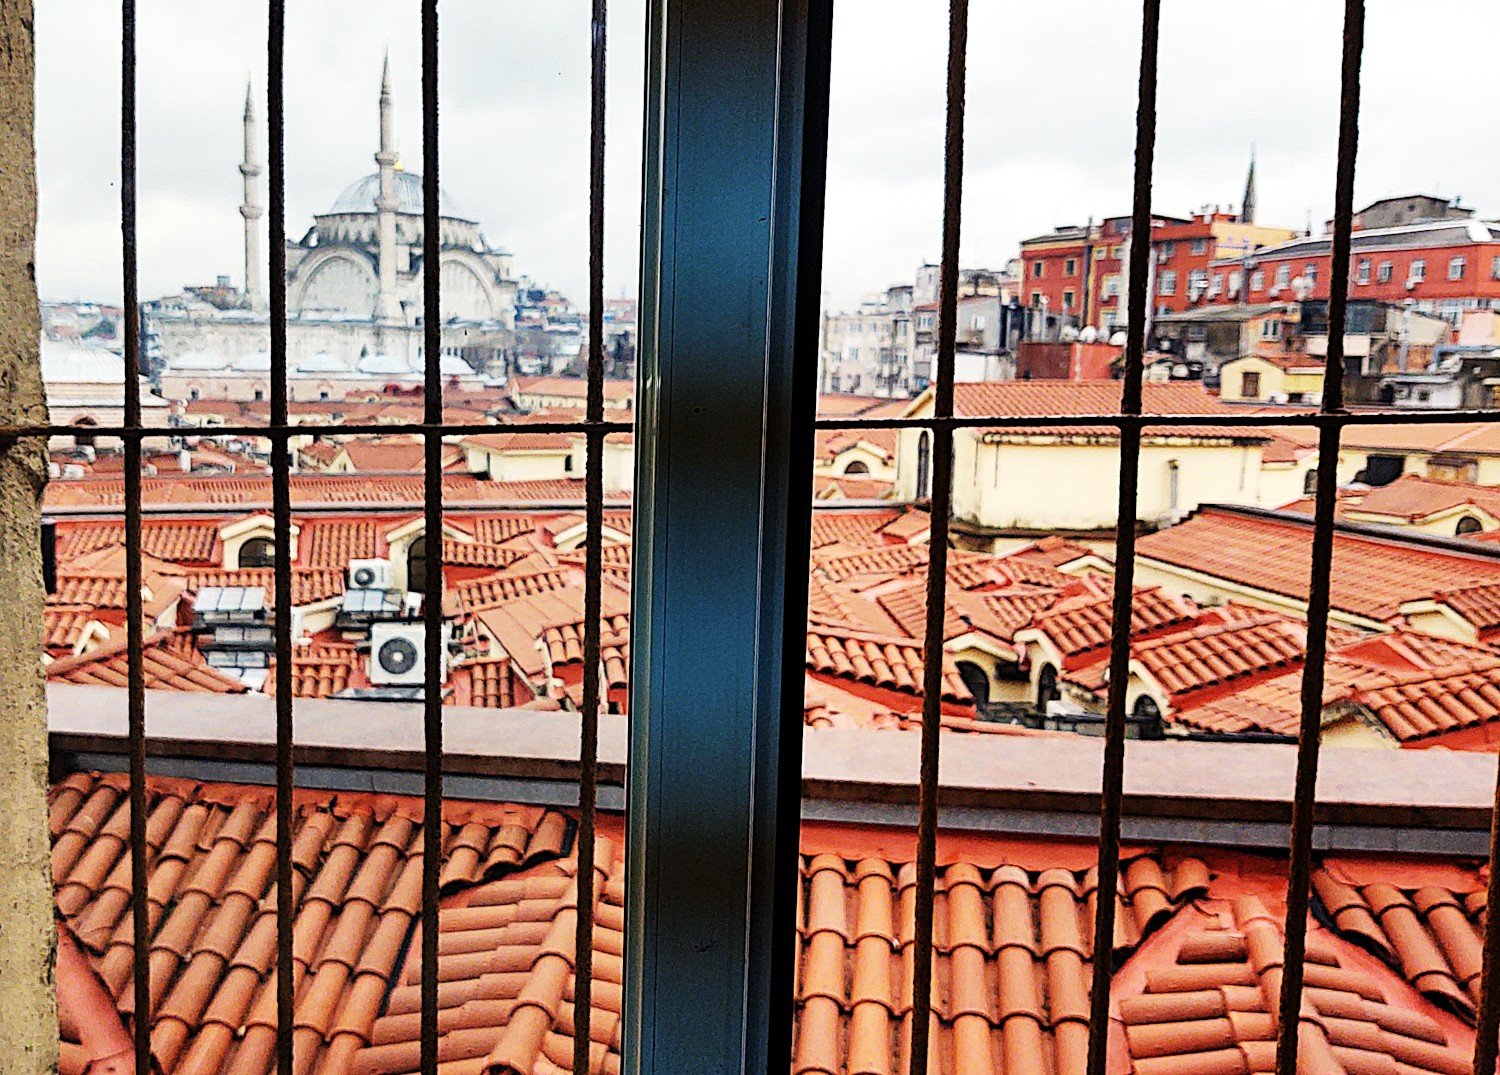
1147, 715
924, 464
416, 566
84, 439
976, 680
1046, 686
258, 552
857, 466
1468, 525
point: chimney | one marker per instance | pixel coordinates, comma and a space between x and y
49, 555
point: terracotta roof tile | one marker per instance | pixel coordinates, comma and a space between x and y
164, 666
852, 528
1412, 497
1080, 625
309, 584
213, 924
882, 661
1218, 653
178, 541
492, 591
1061, 398
334, 542
1372, 576
63, 625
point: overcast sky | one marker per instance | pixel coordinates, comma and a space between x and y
1051, 112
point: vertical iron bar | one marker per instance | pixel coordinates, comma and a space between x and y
281, 511
432, 598
1112, 780
588, 746
134, 622
1304, 802
937, 563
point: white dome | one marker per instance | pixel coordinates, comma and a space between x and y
258, 362
200, 360
71, 363
383, 365
359, 197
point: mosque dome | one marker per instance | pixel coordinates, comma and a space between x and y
359, 197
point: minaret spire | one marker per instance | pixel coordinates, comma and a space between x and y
252, 209
387, 306
1247, 203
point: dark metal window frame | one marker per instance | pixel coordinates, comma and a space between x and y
736, 117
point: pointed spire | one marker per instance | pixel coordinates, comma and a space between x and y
1247, 203
251, 208
386, 154
249, 99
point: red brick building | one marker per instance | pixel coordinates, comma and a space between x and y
1444, 266
1076, 276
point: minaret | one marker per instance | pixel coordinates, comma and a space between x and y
387, 306
1247, 204
252, 210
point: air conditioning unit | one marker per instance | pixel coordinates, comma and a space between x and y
398, 655
371, 575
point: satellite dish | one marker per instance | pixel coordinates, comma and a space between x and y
1089, 334
1117, 340
1069, 333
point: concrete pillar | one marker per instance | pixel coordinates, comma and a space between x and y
28, 1031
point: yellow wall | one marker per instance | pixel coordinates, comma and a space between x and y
1281, 483
1273, 379
1353, 460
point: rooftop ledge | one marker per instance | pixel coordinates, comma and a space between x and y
1224, 794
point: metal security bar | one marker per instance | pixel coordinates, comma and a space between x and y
279, 431
1330, 420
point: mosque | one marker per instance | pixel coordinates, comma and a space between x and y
354, 294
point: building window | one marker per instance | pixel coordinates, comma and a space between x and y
1310, 482
1217, 285
1067, 302
1250, 386
1418, 270
1046, 687
1167, 284
1384, 272
1036, 270
1456, 268
1495, 268
1168, 249
1362, 271
1468, 525
1257, 280
1036, 300
194, 393
1200, 246
260, 395
1198, 280
1070, 267
1270, 329
416, 566
857, 466
1310, 272
258, 552
1283, 276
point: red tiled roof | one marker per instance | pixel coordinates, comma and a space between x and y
568, 386
851, 528
391, 455
1081, 624
357, 860
314, 489
492, 591
479, 554
881, 661
1425, 704
1052, 551
520, 441
320, 674
830, 442
548, 626
1479, 604
497, 529
309, 584
1212, 1006
492, 683
841, 562
63, 624
163, 664
1372, 575
830, 487
1216, 653
1012, 961
1432, 933
1020, 399
614, 561
334, 542
1414, 497
178, 541
1198, 950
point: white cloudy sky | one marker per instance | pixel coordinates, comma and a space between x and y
1051, 107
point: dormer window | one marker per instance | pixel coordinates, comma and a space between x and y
258, 552
251, 542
